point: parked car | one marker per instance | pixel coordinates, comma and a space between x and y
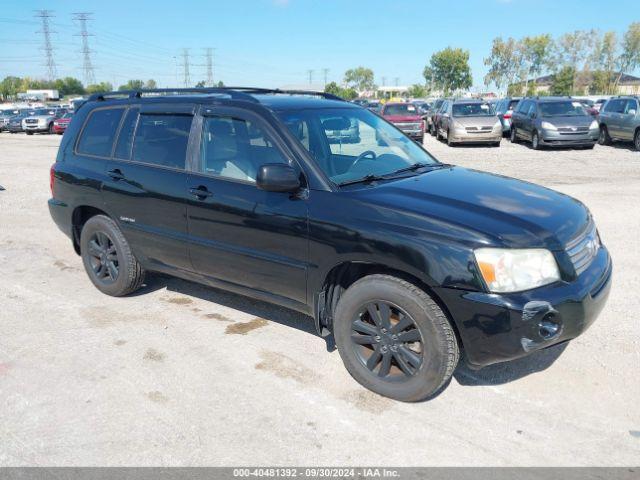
5, 116
406, 117
374, 106
599, 103
15, 122
468, 121
341, 132
620, 121
589, 106
41, 121
429, 117
405, 259
60, 124
553, 122
504, 110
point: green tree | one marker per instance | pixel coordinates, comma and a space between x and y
417, 91
220, 84
10, 86
573, 49
132, 85
151, 83
537, 54
629, 59
99, 87
347, 93
451, 69
201, 84
505, 63
563, 81
360, 78
604, 61
69, 86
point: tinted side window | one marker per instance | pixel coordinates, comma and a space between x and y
99, 132
235, 148
631, 105
615, 106
162, 140
125, 138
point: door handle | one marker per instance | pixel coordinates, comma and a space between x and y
200, 192
115, 174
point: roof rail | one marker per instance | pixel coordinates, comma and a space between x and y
236, 93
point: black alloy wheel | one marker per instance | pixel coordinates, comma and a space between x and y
387, 341
103, 258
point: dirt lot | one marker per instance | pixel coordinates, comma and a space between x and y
180, 374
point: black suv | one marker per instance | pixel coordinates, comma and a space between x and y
553, 122
404, 259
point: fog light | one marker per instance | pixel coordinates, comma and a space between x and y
548, 327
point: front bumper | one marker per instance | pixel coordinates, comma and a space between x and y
550, 138
464, 137
59, 128
35, 128
500, 327
14, 128
506, 125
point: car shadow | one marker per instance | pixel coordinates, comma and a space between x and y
251, 306
501, 373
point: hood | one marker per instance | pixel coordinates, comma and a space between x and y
476, 121
402, 118
502, 210
40, 117
569, 121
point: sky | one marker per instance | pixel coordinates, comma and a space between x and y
275, 43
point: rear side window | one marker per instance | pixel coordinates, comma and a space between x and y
162, 140
615, 106
125, 139
99, 132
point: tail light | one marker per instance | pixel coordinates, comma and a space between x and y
507, 114
52, 177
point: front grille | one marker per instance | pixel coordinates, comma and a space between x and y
583, 249
408, 126
572, 130
31, 120
478, 129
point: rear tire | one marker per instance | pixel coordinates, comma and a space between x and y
636, 140
394, 339
107, 258
449, 142
604, 138
29, 132
51, 132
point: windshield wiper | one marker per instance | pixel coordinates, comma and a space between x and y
417, 166
366, 179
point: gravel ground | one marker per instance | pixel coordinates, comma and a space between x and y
181, 374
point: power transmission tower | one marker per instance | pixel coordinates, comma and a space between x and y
209, 57
384, 81
46, 31
310, 72
185, 67
325, 74
87, 65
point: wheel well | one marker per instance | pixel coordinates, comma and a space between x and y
344, 275
78, 219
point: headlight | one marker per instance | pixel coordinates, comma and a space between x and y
497, 125
459, 127
513, 270
548, 126
594, 125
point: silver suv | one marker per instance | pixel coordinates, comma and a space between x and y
620, 121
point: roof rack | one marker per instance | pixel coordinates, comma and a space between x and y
236, 93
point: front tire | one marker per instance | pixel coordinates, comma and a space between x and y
394, 339
604, 138
513, 136
636, 140
535, 141
51, 132
449, 142
29, 132
107, 258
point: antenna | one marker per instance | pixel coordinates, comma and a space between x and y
185, 67
87, 65
45, 15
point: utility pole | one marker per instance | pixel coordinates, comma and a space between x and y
87, 65
209, 57
44, 16
325, 73
185, 67
384, 81
396, 81
310, 73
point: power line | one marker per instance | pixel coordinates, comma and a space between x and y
185, 67
87, 65
325, 74
44, 16
310, 73
209, 57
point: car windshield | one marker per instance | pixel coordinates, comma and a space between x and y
471, 110
67, 115
400, 109
562, 109
349, 144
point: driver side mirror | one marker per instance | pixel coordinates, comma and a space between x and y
631, 112
278, 177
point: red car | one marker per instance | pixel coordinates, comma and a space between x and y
61, 124
406, 117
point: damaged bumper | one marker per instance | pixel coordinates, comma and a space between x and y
500, 327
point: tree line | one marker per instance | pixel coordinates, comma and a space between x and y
577, 61
11, 86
